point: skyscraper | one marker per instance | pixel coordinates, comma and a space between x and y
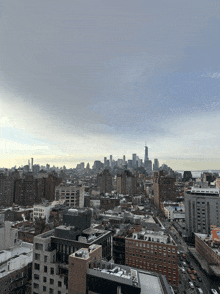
156, 165
146, 154
134, 160
110, 161
32, 163
147, 162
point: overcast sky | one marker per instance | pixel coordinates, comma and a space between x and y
80, 80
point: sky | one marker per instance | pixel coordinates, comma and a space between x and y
80, 80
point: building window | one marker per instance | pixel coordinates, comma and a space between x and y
51, 291
36, 266
52, 271
38, 246
36, 277
36, 286
51, 281
44, 279
45, 269
45, 258
44, 289
59, 284
37, 256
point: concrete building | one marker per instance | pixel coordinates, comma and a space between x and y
156, 165
110, 278
42, 211
15, 268
104, 181
73, 195
202, 209
8, 235
52, 250
153, 251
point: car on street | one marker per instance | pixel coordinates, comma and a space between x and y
191, 285
213, 291
189, 271
194, 272
199, 279
183, 270
184, 263
200, 291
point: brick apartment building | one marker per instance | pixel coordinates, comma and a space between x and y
126, 183
104, 181
164, 188
109, 202
6, 190
30, 190
153, 251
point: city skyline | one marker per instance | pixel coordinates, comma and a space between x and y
83, 80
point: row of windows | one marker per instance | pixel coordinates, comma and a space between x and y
140, 244
51, 291
37, 277
37, 267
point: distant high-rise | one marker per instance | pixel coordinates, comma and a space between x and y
134, 160
156, 165
123, 159
146, 154
105, 161
110, 161
32, 163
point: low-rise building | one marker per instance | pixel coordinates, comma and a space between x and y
154, 251
15, 268
208, 248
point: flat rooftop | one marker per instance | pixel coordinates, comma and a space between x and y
153, 236
115, 272
15, 258
150, 284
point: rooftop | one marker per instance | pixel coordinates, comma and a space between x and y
204, 191
15, 258
119, 273
153, 236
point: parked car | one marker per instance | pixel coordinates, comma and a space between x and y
200, 291
199, 279
189, 271
194, 272
184, 263
183, 270
192, 277
191, 267
191, 285
213, 291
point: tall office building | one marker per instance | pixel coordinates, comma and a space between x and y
202, 209
105, 161
134, 160
110, 161
147, 162
32, 163
124, 159
156, 165
146, 154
